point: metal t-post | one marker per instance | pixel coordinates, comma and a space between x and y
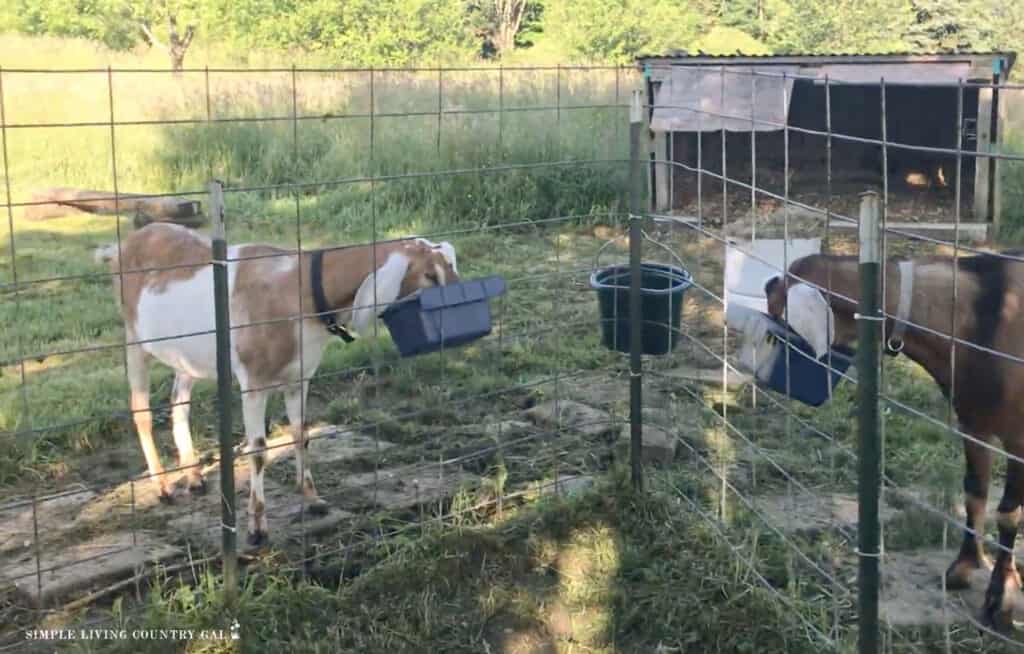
635, 281
227, 453
870, 319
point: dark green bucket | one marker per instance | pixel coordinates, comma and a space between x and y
661, 301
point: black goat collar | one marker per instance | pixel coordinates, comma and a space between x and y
326, 315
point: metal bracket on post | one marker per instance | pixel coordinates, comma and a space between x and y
224, 375
635, 319
870, 468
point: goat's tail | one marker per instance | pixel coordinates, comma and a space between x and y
105, 254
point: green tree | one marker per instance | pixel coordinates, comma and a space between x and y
842, 26
403, 32
498, 23
752, 17
360, 32
618, 30
945, 26
1008, 33
120, 24
967, 25
96, 20
168, 25
245, 25
729, 40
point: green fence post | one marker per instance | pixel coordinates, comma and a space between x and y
636, 178
870, 320
224, 376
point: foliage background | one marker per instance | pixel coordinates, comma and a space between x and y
404, 32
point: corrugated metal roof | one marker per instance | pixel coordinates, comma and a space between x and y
679, 54
679, 57
981, 61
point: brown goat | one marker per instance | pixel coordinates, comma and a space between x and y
165, 295
986, 387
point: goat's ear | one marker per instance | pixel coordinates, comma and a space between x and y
386, 283
448, 251
809, 314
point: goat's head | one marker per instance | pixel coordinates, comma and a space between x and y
822, 272
775, 291
415, 265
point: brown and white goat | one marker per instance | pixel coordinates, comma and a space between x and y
987, 388
165, 295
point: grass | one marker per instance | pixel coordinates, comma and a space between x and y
1013, 171
1013, 189
607, 571
604, 572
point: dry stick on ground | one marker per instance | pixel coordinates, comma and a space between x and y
83, 602
56, 202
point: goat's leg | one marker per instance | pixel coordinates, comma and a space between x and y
978, 459
181, 398
138, 381
1006, 581
254, 408
294, 398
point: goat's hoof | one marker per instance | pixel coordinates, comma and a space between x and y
318, 507
166, 498
994, 616
197, 486
959, 572
998, 620
257, 539
956, 582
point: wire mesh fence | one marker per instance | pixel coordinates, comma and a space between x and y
340, 167
531, 174
801, 478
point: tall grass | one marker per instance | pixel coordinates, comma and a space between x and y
1012, 172
1013, 189
295, 151
338, 134
338, 139
1013, 192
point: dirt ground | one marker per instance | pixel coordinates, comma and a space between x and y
906, 202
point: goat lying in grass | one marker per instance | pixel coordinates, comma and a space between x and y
986, 387
165, 295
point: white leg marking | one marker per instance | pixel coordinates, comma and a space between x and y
181, 397
138, 380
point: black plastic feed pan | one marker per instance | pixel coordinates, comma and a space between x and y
442, 317
810, 380
661, 301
